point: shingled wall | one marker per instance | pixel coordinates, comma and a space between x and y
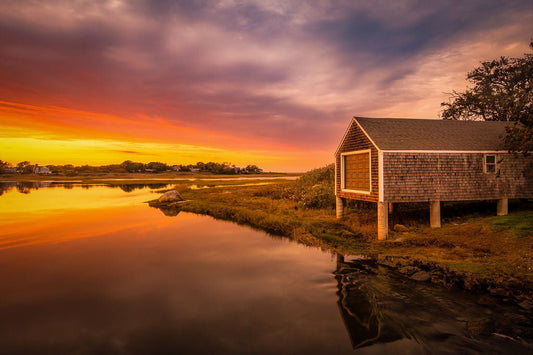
418, 177
356, 140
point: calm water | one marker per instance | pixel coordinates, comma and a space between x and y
91, 269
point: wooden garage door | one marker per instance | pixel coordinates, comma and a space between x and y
357, 171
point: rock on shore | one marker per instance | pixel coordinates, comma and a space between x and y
170, 196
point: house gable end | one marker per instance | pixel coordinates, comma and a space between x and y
357, 141
348, 130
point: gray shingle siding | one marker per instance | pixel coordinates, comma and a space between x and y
419, 177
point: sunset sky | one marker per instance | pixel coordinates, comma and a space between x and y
272, 83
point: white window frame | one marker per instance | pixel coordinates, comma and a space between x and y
485, 170
343, 169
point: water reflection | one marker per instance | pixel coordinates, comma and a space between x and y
133, 187
170, 212
25, 187
357, 306
41, 203
132, 281
381, 311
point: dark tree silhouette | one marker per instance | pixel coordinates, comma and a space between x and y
502, 91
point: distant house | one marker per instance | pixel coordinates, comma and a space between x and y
389, 161
42, 170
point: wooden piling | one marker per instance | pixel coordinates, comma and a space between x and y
383, 220
434, 214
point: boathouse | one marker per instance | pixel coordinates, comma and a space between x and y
390, 160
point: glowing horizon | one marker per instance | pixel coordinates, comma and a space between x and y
61, 137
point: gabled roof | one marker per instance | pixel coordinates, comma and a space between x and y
430, 134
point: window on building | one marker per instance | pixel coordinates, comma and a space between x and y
490, 163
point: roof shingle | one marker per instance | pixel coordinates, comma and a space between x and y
430, 134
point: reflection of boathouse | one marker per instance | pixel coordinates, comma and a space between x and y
384, 313
358, 306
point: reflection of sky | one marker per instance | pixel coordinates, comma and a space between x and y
272, 83
51, 200
131, 279
51, 214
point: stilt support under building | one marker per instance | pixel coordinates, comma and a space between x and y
383, 220
434, 214
340, 207
503, 207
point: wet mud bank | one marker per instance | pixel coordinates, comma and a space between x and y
515, 292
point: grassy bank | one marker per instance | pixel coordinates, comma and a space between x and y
473, 250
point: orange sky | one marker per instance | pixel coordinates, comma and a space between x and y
56, 135
273, 84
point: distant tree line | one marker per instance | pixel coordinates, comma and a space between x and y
128, 166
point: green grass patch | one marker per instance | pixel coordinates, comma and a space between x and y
520, 225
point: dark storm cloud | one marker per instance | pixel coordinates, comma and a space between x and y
389, 35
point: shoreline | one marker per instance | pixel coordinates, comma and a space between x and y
418, 253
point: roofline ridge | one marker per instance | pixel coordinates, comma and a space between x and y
398, 118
